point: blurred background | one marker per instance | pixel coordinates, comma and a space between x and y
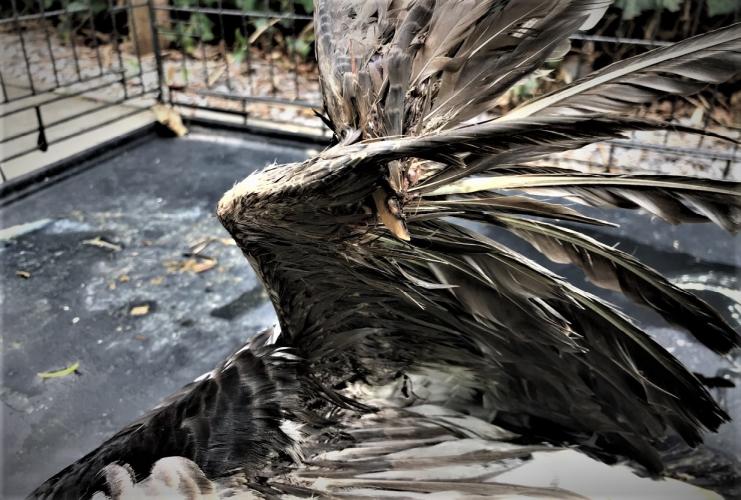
118, 283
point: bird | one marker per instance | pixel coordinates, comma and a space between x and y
415, 355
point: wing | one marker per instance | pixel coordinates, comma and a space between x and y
402, 67
415, 452
371, 277
680, 69
388, 298
231, 419
398, 67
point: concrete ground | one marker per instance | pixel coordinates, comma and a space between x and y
152, 201
99, 268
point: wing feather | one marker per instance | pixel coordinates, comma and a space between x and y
610, 268
679, 69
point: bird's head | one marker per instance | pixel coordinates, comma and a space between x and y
321, 201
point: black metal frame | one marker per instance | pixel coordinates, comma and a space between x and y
193, 96
63, 88
176, 96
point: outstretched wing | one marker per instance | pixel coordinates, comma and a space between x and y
419, 452
373, 274
228, 420
679, 69
388, 297
401, 67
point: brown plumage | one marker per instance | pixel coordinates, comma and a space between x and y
387, 301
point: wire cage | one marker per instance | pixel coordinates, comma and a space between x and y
54, 54
251, 63
260, 68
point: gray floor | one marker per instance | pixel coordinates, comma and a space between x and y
154, 199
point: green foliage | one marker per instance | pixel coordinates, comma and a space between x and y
634, 8
77, 7
203, 26
189, 29
133, 66
308, 5
241, 46
199, 26
300, 46
79, 12
181, 37
721, 7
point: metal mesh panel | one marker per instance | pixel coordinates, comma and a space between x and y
255, 64
62, 77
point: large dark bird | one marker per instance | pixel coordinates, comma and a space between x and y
409, 341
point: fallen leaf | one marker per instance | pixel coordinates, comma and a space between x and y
170, 74
101, 243
124, 278
23, 274
142, 310
193, 265
172, 266
60, 373
157, 280
262, 29
203, 265
170, 119
697, 116
200, 245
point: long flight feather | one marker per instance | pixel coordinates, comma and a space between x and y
709, 58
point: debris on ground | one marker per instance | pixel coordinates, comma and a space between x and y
64, 372
12, 232
169, 118
141, 310
101, 243
199, 246
196, 261
193, 264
